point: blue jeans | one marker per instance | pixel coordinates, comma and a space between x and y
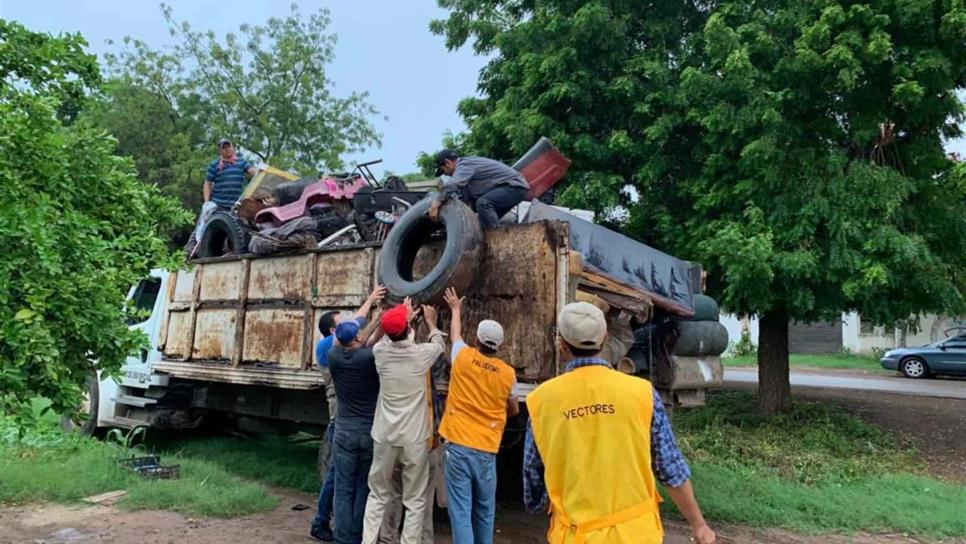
323, 513
352, 456
471, 487
494, 204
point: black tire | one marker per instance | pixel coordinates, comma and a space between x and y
914, 368
705, 308
85, 421
700, 338
224, 234
457, 265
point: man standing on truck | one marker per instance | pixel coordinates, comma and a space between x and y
353, 369
225, 178
479, 400
490, 187
321, 529
403, 427
596, 442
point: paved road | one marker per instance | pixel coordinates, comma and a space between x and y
945, 388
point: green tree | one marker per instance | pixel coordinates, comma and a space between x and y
170, 149
793, 148
267, 89
58, 66
77, 230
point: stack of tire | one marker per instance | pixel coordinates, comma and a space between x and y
701, 335
695, 356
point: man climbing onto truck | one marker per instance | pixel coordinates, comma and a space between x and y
490, 187
597, 442
479, 400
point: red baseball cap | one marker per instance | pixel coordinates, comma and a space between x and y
395, 321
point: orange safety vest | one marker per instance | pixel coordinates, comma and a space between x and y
592, 429
476, 403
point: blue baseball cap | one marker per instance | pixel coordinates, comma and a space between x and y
347, 331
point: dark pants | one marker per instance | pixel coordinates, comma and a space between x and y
323, 513
493, 205
352, 456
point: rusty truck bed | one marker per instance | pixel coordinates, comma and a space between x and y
252, 320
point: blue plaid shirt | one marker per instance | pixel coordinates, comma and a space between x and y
666, 460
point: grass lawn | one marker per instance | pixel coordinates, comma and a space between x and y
814, 470
839, 361
47, 464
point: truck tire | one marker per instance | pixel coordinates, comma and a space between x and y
456, 266
700, 338
705, 308
84, 421
224, 234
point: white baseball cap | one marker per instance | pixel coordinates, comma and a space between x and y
582, 325
490, 333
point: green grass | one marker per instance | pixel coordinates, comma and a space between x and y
841, 361
46, 464
815, 470
270, 459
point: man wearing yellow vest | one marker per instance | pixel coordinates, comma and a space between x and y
479, 399
597, 441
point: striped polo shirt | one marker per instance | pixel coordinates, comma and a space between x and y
227, 183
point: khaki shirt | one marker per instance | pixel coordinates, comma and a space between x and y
402, 411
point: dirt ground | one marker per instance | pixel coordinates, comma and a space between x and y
937, 427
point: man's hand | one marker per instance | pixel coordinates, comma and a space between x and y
429, 315
408, 303
703, 535
377, 294
454, 300
434, 211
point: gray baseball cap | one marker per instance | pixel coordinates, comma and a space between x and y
222, 142
490, 333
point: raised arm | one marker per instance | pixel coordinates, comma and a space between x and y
456, 322
374, 297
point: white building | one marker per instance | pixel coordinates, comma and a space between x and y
851, 334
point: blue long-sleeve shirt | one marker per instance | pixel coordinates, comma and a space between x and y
667, 462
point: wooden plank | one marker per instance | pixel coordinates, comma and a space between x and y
105, 499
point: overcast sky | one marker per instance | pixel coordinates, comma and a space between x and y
384, 48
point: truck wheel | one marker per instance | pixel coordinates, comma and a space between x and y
456, 266
84, 420
224, 234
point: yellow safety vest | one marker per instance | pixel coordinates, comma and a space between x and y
476, 404
592, 429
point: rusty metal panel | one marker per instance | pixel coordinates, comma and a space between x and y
344, 278
517, 286
214, 335
274, 336
287, 278
184, 285
222, 281
176, 344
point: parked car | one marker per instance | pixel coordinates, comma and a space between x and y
944, 357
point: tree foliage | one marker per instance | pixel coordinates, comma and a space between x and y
794, 148
266, 88
77, 228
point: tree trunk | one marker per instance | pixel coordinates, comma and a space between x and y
774, 389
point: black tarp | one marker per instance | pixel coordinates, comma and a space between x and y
668, 279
